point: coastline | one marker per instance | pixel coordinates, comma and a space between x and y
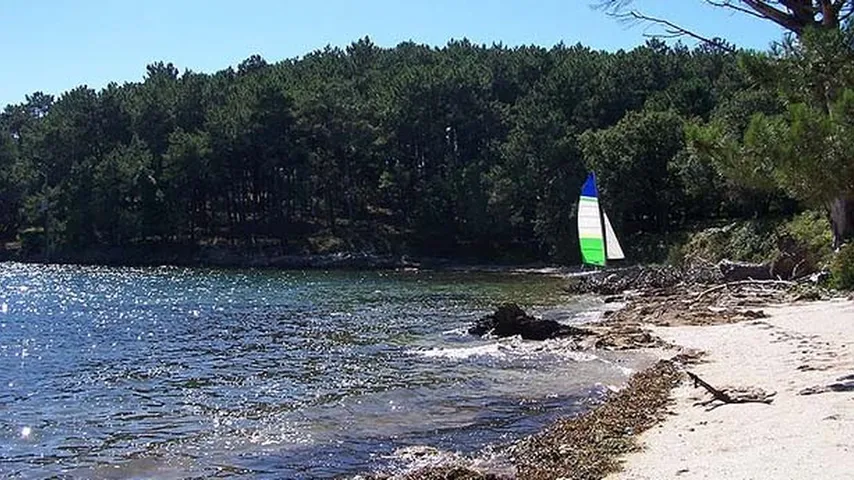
746, 339
751, 334
805, 353
274, 258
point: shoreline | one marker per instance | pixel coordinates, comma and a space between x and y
744, 334
803, 353
759, 339
274, 259
745, 341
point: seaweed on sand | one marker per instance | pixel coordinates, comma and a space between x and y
589, 446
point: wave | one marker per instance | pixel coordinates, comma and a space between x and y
510, 348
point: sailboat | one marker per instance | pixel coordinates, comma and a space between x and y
595, 234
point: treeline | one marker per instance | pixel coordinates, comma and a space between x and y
455, 151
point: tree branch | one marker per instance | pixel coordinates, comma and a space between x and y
671, 29
792, 15
838, 10
728, 4
784, 19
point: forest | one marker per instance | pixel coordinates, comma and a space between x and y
462, 151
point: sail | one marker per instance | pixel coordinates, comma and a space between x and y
612, 245
590, 233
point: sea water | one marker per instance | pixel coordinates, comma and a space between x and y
181, 373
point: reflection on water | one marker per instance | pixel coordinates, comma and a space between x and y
175, 373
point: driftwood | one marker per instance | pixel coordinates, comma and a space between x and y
702, 294
695, 271
733, 271
730, 395
614, 281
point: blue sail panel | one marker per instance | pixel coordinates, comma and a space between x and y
589, 189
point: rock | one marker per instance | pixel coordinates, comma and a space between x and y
510, 320
735, 271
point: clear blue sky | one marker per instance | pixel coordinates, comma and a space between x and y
53, 46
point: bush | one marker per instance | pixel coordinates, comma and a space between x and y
326, 243
805, 242
842, 268
749, 241
811, 229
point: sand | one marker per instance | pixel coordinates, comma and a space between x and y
804, 353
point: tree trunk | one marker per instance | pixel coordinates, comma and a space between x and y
842, 219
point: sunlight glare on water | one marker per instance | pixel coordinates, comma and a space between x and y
173, 372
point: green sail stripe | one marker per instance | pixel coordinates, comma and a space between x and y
593, 251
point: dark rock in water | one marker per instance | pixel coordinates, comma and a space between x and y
510, 320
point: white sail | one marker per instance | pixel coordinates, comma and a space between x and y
612, 245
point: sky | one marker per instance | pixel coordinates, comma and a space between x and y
54, 46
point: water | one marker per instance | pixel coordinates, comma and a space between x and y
183, 373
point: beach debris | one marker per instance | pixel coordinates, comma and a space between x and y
731, 395
772, 283
422, 462
510, 320
589, 446
689, 356
617, 281
701, 305
625, 337
734, 271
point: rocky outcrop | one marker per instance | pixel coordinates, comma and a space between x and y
510, 320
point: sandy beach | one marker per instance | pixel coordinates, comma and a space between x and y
803, 352
785, 367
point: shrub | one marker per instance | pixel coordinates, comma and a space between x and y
811, 230
803, 245
325, 243
842, 268
751, 241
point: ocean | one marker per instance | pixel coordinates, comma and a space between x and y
206, 373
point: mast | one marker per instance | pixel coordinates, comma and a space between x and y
602, 225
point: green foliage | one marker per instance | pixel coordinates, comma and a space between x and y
811, 238
842, 268
795, 246
326, 243
631, 163
10, 188
799, 142
749, 241
460, 150
804, 151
